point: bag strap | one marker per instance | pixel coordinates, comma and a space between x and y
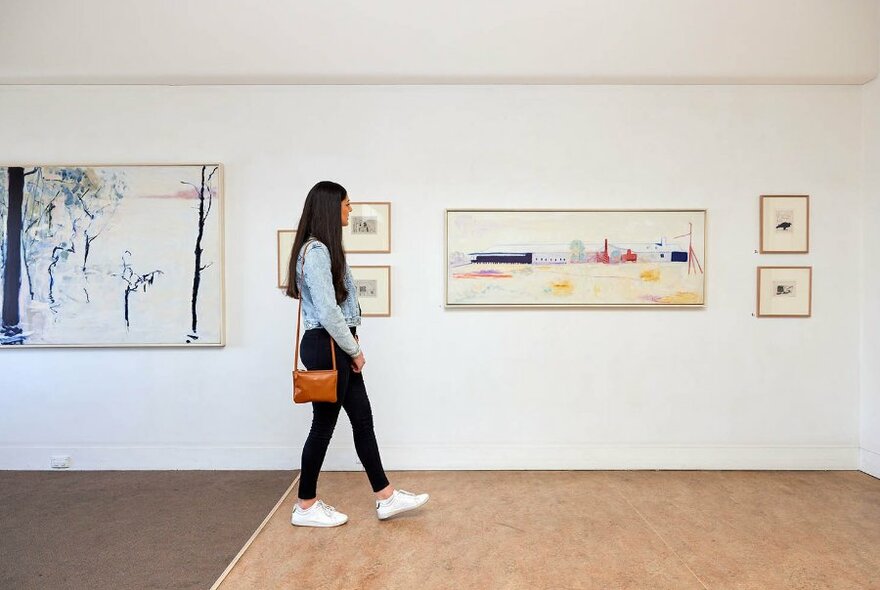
299, 315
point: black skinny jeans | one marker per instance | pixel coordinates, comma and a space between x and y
351, 394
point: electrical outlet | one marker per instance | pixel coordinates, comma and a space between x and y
357, 461
60, 461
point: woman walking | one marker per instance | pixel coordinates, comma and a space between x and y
319, 275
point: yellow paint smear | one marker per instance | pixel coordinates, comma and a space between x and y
650, 275
681, 297
562, 287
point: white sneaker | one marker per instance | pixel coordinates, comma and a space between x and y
318, 514
400, 501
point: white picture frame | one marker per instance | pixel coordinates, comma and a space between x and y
785, 224
374, 290
785, 291
369, 228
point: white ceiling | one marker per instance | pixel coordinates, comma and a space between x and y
438, 42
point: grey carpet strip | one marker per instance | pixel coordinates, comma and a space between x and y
128, 529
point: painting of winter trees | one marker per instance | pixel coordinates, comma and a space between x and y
111, 255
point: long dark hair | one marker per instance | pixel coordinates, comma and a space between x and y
321, 219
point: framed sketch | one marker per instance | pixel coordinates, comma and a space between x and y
785, 291
285, 245
785, 224
368, 229
575, 258
103, 256
374, 289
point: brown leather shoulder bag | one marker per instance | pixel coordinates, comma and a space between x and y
312, 386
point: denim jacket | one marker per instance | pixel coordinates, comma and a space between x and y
319, 298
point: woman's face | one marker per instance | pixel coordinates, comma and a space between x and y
346, 209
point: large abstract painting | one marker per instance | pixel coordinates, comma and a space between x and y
558, 258
111, 255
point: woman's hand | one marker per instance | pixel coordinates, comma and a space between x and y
358, 362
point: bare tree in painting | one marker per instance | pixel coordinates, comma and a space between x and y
50, 214
206, 201
61, 253
37, 208
88, 199
62, 207
98, 203
3, 214
12, 269
11, 317
133, 282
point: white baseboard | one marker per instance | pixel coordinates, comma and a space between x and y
452, 457
870, 462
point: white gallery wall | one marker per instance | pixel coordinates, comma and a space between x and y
486, 389
870, 373
449, 42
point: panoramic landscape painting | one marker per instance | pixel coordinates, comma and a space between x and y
111, 255
575, 258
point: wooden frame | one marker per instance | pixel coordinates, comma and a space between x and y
763, 224
367, 272
284, 243
761, 311
221, 250
366, 243
254, 536
475, 265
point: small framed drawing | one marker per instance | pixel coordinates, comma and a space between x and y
785, 291
374, 289
368, 229
785, 224
285, 245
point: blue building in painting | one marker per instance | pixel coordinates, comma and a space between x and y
544, 254
522, 254
501, 257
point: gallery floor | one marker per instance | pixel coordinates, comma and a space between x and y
126, 530
505, 529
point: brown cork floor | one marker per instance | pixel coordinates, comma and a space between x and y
607, 529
